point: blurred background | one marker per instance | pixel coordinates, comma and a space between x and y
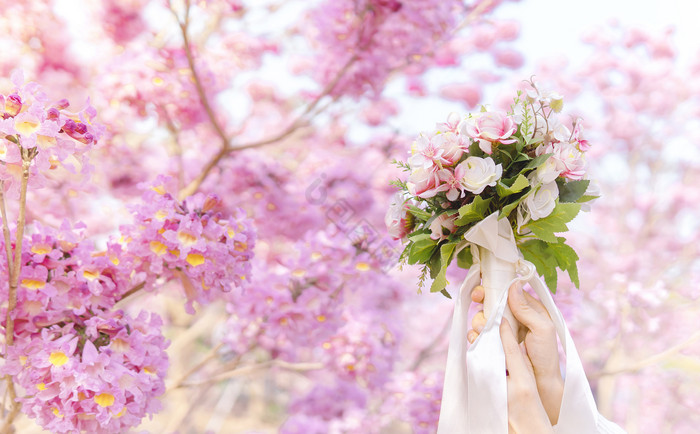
293, 110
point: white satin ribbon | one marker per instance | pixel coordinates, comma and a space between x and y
474, 399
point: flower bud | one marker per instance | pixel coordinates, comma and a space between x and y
52, 114
62, 104
210, 203
13, 104
80, 128
87, 138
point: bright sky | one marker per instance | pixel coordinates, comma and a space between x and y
555, 26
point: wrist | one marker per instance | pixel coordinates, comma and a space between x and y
551, 391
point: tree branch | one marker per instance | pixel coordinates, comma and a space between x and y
428, 350
27, 156
651, 360
245, 370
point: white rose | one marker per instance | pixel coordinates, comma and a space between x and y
541, 203
479, 173
548, 171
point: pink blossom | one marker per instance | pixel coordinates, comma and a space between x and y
468, 93
398, 220
427, 153
424, 183
567, 159
192, 242
453, 182
508, 58
452, 146
489, 128
452, 123
442, 223
102, 374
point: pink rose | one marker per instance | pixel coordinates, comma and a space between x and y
489, 128
451, 145
423, 183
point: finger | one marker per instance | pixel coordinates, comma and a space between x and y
528, 362
536, 304
514, 357
472, 335
478, 294
479, 321
523, 311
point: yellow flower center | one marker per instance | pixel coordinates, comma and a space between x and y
157, 247
33, 283
41, 249
91, 274
58, 358
195, 259
362, 266
186, 238
104, 399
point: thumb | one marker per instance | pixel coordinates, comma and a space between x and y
521, 308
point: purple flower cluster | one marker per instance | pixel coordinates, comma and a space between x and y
192, 241
63, 277
102, 374
59, 138
383, 35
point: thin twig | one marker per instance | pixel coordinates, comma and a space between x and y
297, 367
193, 186
210, 355
651, 360
197, 81
226, 147
177, 148
428, 350
132, 291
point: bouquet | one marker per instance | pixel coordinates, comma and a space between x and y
526, 167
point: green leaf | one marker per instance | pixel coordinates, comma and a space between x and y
419, 213
473, 211
519, 146
545, 228
571, 191
538, 252
434, 264
521, 157
586, 198
506, 210
419, 235
566, 258
446, 294
421, 251
475, 150
537, 161
464, 258
518, 185
440, 281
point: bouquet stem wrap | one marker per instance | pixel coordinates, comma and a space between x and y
496, 276
475, 399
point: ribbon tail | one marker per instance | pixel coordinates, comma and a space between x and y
453, 409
